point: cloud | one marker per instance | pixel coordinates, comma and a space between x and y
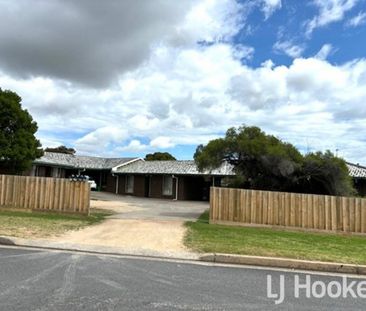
161, 142
92, 44
288, 48
324, 52
101, 138
330, 11
270, 6
357, 20
133, 146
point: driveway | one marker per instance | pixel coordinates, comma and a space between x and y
142, 226
129, 207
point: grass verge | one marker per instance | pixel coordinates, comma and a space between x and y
203, 237
25, 224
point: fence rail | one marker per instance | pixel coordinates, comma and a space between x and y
321, 212
44, 194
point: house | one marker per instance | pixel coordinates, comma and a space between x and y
61, 165
358, 174
178, 180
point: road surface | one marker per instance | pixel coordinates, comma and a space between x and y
50, 280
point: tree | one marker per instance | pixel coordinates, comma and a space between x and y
265, 162
325, 173
61, 149
260, 161
18, 144
159, 156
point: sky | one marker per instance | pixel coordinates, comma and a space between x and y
126, 78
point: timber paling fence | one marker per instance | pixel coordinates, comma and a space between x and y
269, 208
44, 194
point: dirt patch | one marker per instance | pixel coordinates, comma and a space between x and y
158, 236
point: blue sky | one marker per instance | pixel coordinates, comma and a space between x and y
178, 74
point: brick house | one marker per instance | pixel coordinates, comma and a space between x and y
178, 180
133, 176
61, 165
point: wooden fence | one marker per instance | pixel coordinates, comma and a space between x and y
306, 211
44, 194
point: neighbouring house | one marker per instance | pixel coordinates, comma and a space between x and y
358, 174
179, 180
61, 165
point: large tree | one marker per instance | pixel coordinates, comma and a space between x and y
261, 161
265, 162
61, 149
159, 156
18, 144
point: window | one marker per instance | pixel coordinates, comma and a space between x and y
129, 184
167, 185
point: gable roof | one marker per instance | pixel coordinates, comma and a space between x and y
81, 162
356, 170
172, 168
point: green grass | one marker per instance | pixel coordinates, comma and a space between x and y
203, 237
42, 225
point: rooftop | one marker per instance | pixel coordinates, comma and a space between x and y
75, 161
172, 168
356, 170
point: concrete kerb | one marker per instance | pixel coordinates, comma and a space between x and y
285, 263
269, 262
94, 249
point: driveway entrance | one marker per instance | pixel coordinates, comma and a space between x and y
139, 225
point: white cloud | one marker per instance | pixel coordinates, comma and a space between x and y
270, 6
288, 48
324, 52
357, 20
101, 139
161, 142
134, 146
330, 11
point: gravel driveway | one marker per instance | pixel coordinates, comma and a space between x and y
139, 225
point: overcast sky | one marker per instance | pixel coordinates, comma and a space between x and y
128, 77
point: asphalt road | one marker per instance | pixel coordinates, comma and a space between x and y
46, 280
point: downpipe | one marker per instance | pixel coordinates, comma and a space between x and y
176, 187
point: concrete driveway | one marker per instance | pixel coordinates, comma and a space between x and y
129, 207
141, 226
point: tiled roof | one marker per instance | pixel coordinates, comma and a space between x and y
172, 168
74, 161
356, 170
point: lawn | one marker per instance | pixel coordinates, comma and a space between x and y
203, 237
25, 224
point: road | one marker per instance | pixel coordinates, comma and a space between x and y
50, 280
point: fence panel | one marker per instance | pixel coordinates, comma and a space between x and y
269, 208
44, 194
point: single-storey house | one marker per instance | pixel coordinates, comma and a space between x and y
358, 174
178, 180
61, 165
